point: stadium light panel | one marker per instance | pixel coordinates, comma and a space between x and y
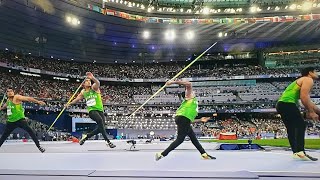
293, 6
146, 34
206, 10
69, 19
170, 35
306, 6
74, 21
253, 9
190, 35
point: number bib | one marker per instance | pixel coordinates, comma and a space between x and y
9, 111
91, 102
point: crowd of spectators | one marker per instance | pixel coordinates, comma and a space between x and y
123, 97
135, 70
253, 128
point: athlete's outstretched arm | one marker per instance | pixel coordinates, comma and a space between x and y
77, 99
203, 119
29, 99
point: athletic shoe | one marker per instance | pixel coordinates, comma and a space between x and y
111, 145
159, 156
311, 158
207, 156
41, 149
304, 157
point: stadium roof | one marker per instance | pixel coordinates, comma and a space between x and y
68, 29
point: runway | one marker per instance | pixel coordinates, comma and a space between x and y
95, 161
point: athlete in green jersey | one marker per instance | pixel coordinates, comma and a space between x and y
186, 115
287, 107
16, 118
92, 96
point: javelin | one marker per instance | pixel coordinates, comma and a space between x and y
65, 106
156, 93
4, 96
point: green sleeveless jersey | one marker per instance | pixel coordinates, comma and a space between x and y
15, 112
188, 109
291, 94
93, 100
